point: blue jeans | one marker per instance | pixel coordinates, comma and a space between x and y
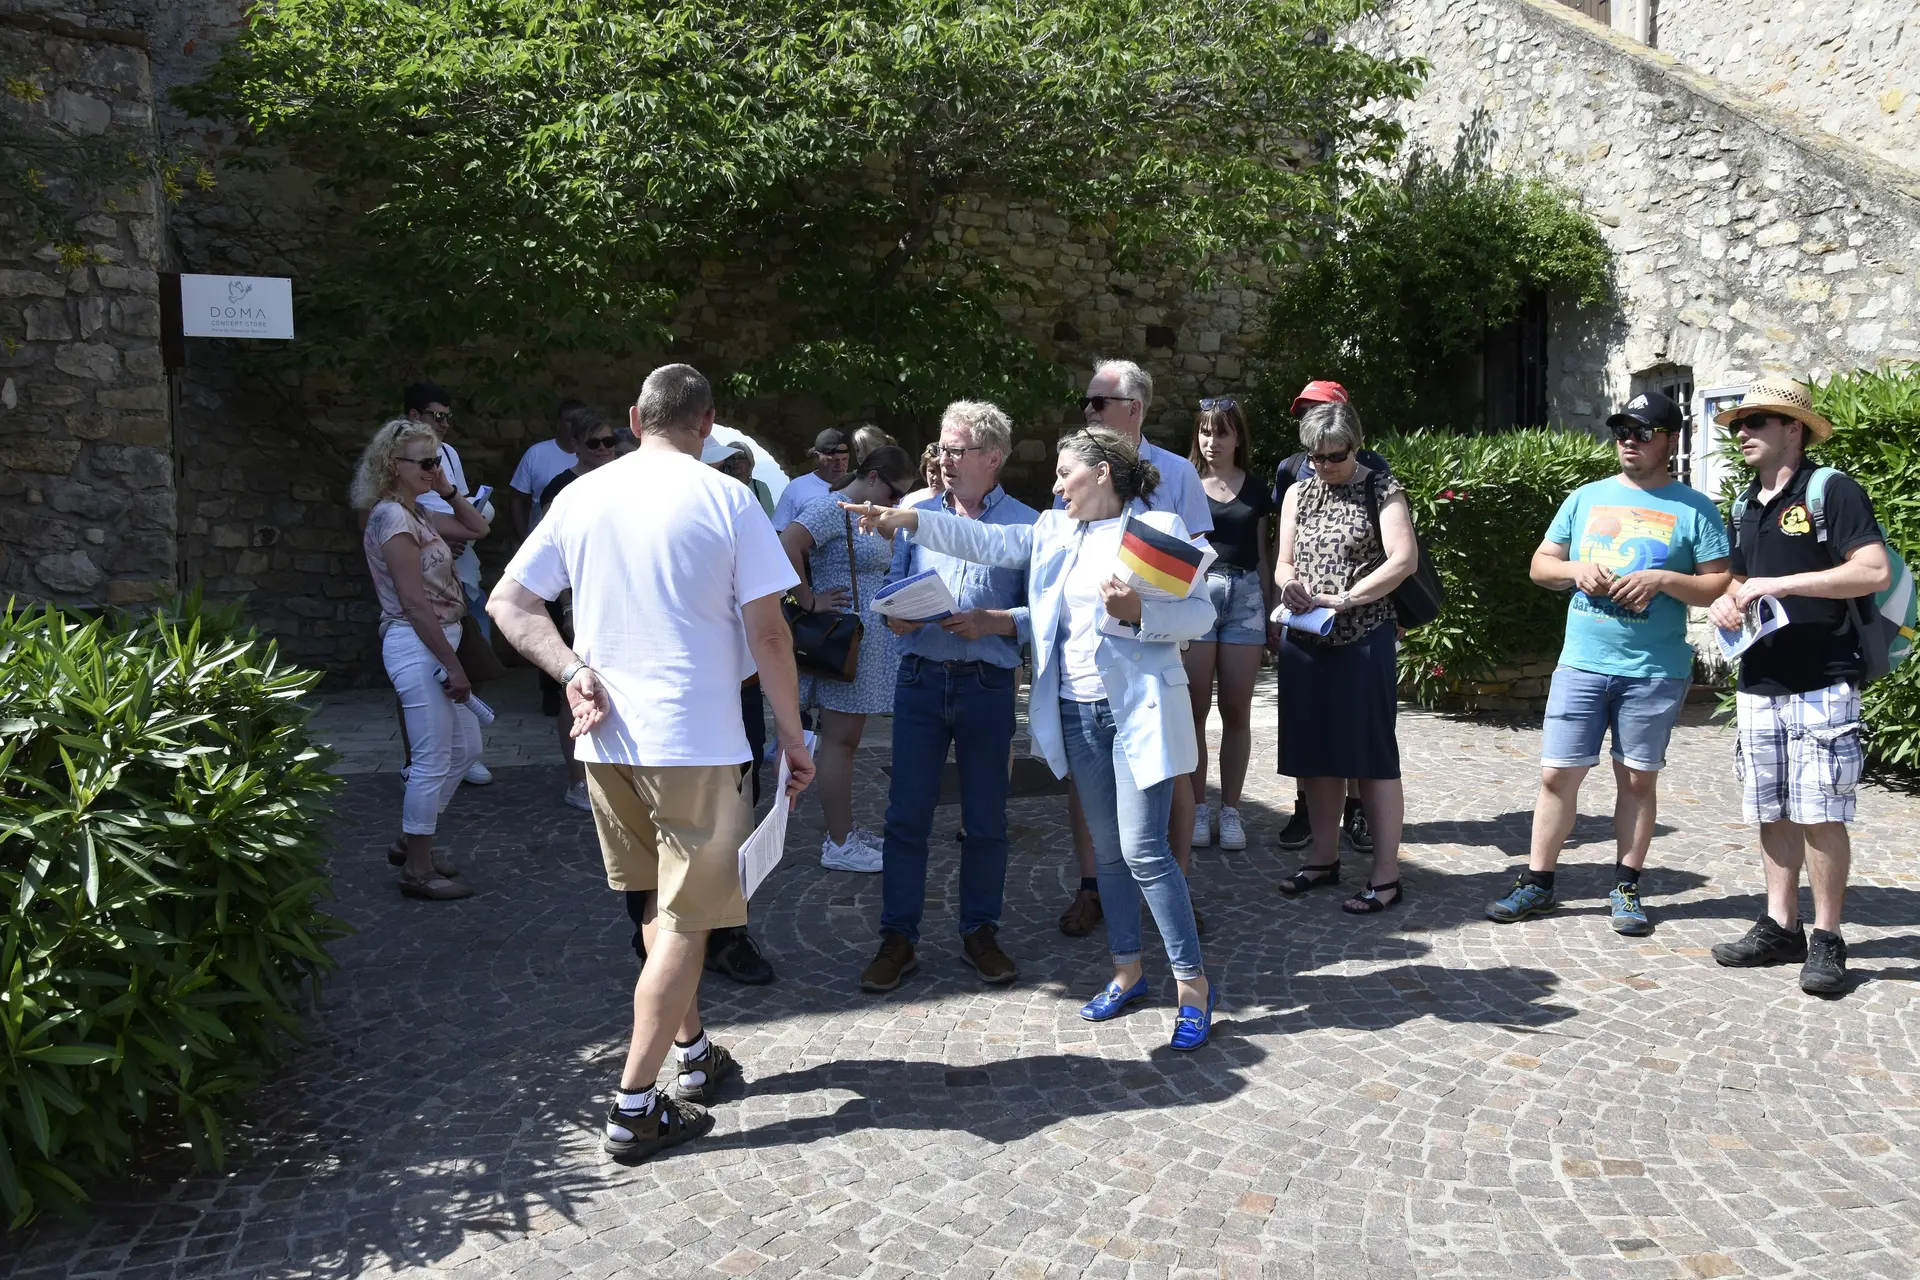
1583, 705
968, 704
1129, 828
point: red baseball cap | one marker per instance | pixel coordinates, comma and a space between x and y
1319, 393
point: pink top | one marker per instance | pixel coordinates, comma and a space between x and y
389, 520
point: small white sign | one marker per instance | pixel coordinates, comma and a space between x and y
236, 306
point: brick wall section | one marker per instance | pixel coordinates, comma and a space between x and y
86, 474
1746, 243
1848, 67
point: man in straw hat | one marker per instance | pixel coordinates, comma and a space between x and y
1799, 751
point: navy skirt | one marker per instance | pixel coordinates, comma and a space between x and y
1338, 704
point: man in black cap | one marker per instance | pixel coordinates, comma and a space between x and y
831, 455
1635, 549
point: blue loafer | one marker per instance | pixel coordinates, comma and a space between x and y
1191, 1026
1111, 1002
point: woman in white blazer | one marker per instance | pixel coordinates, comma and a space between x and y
1109, 702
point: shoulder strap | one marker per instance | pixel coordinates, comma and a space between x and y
853, 570
1372, 487
1817, 500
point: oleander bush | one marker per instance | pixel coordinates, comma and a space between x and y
1481, 504
162, 866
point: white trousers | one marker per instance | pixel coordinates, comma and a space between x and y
444, 734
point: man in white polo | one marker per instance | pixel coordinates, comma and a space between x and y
676, 578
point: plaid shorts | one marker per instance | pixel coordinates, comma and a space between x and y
1799, 754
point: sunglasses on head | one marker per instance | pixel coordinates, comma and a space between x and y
1330, 459
601, 442
1099, 403
1637, 431
1221, 403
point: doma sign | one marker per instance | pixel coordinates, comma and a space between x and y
236, 306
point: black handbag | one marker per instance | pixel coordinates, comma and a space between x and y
827, 643
1419, 599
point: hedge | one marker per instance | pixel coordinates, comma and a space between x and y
161, 863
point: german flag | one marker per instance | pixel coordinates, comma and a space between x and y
1157, 559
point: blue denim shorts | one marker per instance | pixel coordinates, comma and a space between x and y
1583, 705
1239, 607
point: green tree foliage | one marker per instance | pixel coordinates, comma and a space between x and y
1481, 504
1425, 264
529, 177
160, 862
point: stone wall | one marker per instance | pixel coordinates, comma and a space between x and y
86, 474
1745, 242
1848, 67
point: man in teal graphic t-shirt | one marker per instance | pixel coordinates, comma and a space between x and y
1636, 549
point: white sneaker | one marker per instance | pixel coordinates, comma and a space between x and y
478, 775
867, 838
1203, 826
1232, 834
577, 797
851, 856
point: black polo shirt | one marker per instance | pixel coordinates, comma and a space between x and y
1819, 645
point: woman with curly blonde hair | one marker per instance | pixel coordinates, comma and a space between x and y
421, 605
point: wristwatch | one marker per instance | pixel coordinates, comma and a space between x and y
571, 670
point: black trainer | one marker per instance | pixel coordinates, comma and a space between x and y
1359, 834
716, 1064
1298, 833
1825, 972
1765, 943
647, 1133
732, 952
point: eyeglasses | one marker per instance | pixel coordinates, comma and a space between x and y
601, 442
955, 452
1330, 459
442, 416
1221, 403
1755, 422
1638, 431
425, 464
1099, 403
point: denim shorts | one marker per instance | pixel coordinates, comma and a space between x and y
1583, 705
1239, 607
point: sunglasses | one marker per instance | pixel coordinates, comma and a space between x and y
601, 442
1638, 431
1221, 403
425, 464
441, 416
1099, 403
1755, 422
1329, 459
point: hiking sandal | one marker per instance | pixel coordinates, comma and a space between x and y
673, 1122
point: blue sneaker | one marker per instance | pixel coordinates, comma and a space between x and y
1629, 917
1191, 1027
1111, 1002
1527, 899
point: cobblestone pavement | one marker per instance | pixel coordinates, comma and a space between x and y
1421, 1093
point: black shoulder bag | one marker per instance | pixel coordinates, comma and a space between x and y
827, 643
1420, 598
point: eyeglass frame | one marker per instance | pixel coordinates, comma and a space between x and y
613, 442
1762, 420
1218, 404
1330, 459
435, 463
1639, 432
442, 416
955, 452
1099, 403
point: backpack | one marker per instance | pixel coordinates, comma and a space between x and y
1886, 619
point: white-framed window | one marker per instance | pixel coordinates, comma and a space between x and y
1710, 471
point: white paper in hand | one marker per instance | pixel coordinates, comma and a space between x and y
1764, 616
762, 850
1314, 621
922, 598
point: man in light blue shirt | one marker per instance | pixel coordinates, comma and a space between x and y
1117, 398
1635, 549
957, 683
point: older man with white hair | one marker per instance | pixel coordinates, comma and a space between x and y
956, 684
1118, 396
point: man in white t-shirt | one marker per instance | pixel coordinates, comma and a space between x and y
676, 577
831, 454
538, 466
1117, 398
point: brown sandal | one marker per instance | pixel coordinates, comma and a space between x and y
1079, 919
397, 856
438, 889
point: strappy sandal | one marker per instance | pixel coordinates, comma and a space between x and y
397, 856
1367, 901
1310, 877
673, 1122
437, 889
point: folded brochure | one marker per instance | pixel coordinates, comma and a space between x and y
1313, 621
1764, 615
922, 598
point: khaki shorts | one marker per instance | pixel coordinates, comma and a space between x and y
675, 831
